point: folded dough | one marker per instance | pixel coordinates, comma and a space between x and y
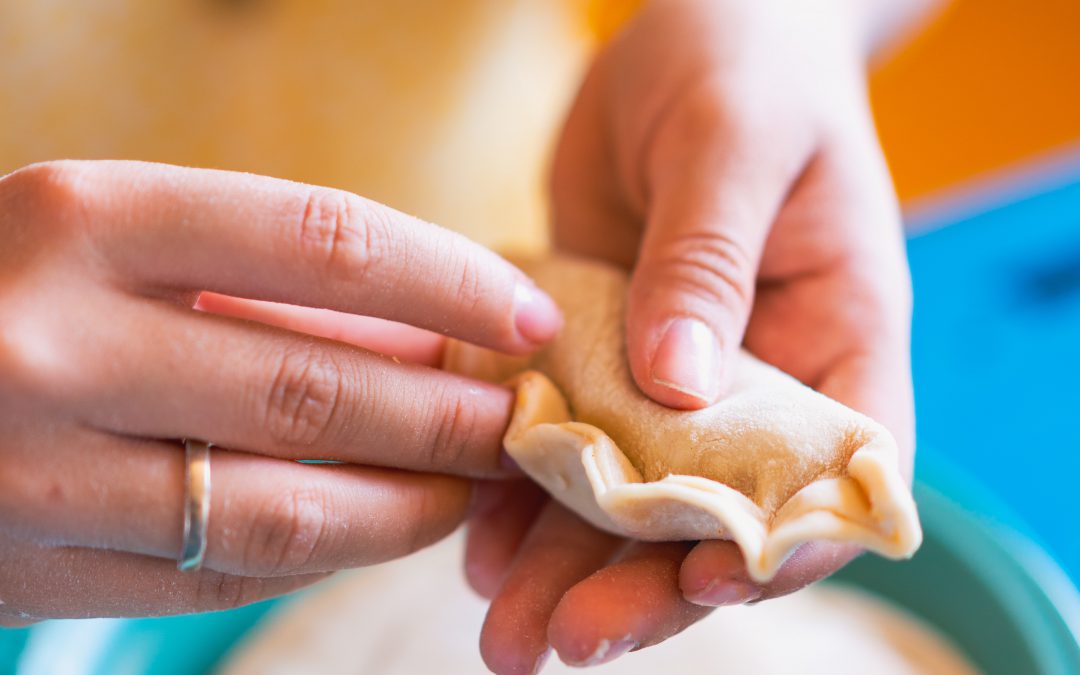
772, 465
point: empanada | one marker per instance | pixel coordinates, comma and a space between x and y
772, 465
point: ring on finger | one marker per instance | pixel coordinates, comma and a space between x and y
196, 504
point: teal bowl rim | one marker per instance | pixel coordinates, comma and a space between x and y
972, 531
1042, 604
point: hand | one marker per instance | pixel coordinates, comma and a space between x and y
103, 360
725, 152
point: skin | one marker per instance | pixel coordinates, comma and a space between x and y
725, 153
107, 355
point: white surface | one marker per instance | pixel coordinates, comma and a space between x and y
418, 616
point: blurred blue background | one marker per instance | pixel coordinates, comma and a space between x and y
996, 348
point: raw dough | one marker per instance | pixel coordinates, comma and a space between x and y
772, 465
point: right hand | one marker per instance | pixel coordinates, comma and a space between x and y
105, 362
724, 154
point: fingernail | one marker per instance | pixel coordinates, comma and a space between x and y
536, 316
607, 651
725, 592
688, 360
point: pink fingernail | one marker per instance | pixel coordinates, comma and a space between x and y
725, 592
536, 316
606, 652
688, 360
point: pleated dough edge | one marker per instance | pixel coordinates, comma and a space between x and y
870, 505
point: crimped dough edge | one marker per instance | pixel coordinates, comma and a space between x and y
870, 505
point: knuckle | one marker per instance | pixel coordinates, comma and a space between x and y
28, 499
343, 234
732, 124
217, 590
285, 535
710, 265
469, 289
33, 365
16, 362
711, 110
304, 397
12, 485
456, 432
706, 110
733, 108
56, 192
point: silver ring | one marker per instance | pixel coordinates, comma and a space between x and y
196, 504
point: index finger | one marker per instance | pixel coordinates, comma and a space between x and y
158, 226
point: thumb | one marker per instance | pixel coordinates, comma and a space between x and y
693, 287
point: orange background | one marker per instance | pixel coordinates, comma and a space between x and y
987, 84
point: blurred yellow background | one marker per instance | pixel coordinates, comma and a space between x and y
447, 110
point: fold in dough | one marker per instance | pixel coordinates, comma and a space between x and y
772, 465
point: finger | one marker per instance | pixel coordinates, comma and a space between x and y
632, 604
837, 277
7, 621
261, 389
397, 340
560, 550
870, 376
714, 573
499, 519
39, 582
268, 517
716, 182
268, 239
810, 563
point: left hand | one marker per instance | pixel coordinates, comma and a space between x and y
725, 152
